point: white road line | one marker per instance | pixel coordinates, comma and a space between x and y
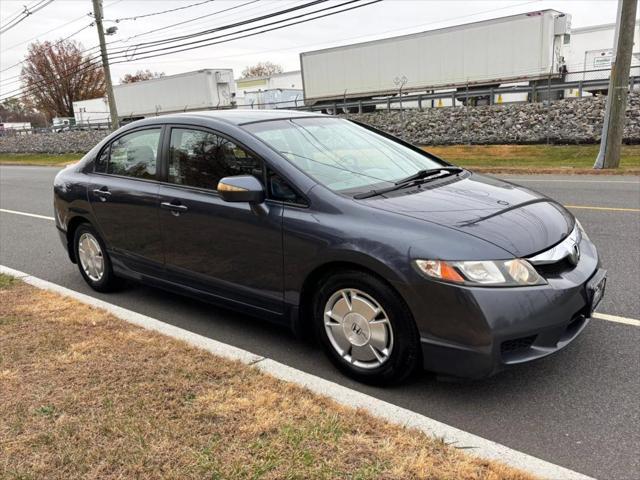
25, 214
473, 444
615, 318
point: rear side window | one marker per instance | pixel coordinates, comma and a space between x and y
132, 155
200, 159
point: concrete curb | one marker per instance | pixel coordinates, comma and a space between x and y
400, 416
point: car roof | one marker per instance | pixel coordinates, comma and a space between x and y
240, 117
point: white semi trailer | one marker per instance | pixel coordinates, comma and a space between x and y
200, 90
525, 47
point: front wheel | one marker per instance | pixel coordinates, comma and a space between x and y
366, 329
93, 260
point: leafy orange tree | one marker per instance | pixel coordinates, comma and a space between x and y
56, 74
140, 76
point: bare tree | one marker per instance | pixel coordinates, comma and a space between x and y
140, 76
262, 69
56, 74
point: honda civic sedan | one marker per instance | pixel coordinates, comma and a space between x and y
392, 257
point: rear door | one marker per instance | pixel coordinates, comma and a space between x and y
124, 199
231, 250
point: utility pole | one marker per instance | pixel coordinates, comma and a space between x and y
612, 130
97, 12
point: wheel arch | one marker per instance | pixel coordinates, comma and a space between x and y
302, 322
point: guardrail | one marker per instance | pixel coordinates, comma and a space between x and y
533, 91
55, 129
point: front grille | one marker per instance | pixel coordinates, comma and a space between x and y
517, 344
554, 269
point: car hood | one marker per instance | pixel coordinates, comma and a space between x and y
514, 218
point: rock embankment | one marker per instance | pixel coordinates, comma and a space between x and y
566, 121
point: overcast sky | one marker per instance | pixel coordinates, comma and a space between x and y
387, 18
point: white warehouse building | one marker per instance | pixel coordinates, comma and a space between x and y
280, 90
591, 51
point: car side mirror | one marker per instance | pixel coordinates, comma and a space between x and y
241, 188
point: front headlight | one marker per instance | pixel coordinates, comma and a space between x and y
498, 273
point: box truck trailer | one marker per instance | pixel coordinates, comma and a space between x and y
526, 47
92, 113
200, 90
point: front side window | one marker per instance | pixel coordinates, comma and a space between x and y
132, 155
340, 154
200, 159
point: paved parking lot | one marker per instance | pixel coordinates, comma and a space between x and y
578, 408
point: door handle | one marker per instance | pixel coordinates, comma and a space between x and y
102, 193
176, 209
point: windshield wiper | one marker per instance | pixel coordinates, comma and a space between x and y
428, 173
419, 177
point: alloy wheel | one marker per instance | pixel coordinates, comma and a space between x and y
91, 257
358, 328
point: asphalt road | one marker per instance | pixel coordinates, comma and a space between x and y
578, 408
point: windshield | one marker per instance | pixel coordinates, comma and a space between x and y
341, 155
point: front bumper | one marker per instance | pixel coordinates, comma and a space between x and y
475, 332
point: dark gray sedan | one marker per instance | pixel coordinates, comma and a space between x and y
394, 258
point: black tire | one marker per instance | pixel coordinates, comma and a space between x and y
108, 282
405, 355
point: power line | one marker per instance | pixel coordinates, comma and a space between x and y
86, 65
166, 27
118, 20
117, 41
40, 35
27, 13
27, 10
229, 26
14, 16
147, 45
248, 35
232, 25
54, 44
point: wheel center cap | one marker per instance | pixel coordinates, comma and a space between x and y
356, 329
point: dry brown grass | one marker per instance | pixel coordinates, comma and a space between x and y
85, 395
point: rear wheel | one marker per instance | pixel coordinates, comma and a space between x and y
365, 328
93, 261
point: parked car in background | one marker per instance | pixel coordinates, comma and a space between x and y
395, 258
